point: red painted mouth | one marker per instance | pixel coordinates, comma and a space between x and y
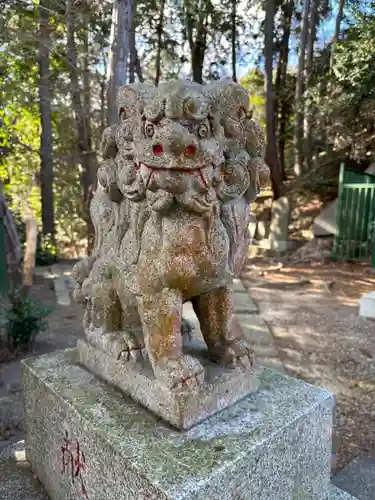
188, 171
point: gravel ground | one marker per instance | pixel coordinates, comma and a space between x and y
313, 315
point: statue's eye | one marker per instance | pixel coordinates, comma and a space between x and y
122, 114
202, 131
241, 113
149, 130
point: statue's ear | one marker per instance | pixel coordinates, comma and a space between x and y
230, 95
126, 101
133, 98
108, 145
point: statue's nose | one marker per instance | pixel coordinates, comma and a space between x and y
179, 143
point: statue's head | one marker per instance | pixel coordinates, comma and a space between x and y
173, 141
176, 139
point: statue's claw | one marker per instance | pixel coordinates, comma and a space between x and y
232, 353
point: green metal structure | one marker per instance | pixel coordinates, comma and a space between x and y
355, 237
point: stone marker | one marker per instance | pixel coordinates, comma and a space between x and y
62, 291
367, 305
190, 421
278, 236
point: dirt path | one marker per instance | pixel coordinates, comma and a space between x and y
65, 326
313, 315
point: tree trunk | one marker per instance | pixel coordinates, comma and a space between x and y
271, 149
233, 40
86, 79
159, 43
336, 33
132, 58
88, 158
308, 116
197, 63
298, 124
137, 62
111, 68
102, 104
120, 44
199, 44
125, 27
46, 160
30, 254
11, 266
281, 83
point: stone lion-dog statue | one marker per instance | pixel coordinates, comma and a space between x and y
171, 215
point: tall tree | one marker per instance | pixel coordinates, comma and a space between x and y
86, 71
88, 157
336, 34
281, 83
111, 67
46, 159
307, 123
196, 22
234, 39
271, 146
298, 125
159, 31
120, 50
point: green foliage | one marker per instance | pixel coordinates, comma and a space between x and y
46, 251
25, 319
343, 101
253, 82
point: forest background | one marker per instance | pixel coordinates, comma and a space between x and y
309, 67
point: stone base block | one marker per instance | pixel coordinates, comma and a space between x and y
181, 408
367, 305
84, 439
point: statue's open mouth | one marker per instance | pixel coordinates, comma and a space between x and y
189, 171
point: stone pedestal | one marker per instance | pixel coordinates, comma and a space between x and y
182, 409
86, 440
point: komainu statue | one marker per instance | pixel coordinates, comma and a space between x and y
171, 213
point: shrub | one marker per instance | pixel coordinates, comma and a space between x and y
24, 320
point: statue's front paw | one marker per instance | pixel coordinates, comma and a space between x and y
232, 353
182, 373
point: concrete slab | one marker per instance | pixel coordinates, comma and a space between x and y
358, 478
367, 305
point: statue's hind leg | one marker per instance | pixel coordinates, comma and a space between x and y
215, 314
161, 315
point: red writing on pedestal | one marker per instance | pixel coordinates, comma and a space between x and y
73, 462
